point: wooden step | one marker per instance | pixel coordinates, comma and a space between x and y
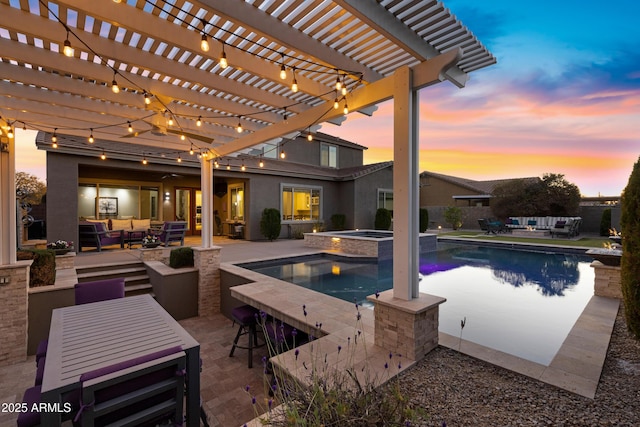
108, 274
108, 266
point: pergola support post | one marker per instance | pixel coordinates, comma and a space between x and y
405, 187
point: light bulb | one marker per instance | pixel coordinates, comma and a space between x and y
103, 156
191, 150
282, 155
239, 128
261, 164
283, 72
243, 168
338, 83
170, 122
309, 137
182, 137
10, 132
129, 127
54, 138
294, 85
114, 87
144, 161
67, 49
346, 108
204, 44
54, 145
228, 166
199, 121
147, 100
216, 164
336, 104
179, 159
223, 59
91, 137
344, 90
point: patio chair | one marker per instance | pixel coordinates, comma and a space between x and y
96, 234
172, 231
568, 229
32, 398
143, 391
99, 290
491, 227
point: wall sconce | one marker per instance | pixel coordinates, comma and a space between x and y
167, 196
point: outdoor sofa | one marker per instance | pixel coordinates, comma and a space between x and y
537, 222
97, 235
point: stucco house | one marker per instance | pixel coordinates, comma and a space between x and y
314, 180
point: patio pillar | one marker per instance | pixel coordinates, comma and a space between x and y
8, 194
206, 183
405, 186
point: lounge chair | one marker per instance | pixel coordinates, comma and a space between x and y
491, 227
569, 228
172, 231
96, 234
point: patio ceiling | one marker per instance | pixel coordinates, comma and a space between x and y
152, 47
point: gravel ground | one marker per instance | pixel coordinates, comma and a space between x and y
463, 391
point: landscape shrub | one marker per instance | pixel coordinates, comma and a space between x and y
270, 225
297, 233
630, 262
43, 268
453, 217
605, 222
383, 219
338, 221
424, 220
181, 257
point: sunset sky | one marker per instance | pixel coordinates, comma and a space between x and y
563, 98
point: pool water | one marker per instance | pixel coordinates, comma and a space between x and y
520, 302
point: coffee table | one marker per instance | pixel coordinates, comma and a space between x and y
134, 237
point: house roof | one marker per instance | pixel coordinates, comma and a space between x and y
481, 187
151, 49
78, 146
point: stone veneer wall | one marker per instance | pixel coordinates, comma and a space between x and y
408, 328
66, 261
371, 247
13, 316
607, 282
207, 262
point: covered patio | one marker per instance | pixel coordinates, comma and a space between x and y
213, 79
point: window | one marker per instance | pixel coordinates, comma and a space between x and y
328, 155
385, 199
300, 203
236, 199
270, 150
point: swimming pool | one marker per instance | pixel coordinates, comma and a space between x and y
520, 302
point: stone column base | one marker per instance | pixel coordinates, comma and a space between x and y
66, 261
408, 328
151, 254
207, 262
14, 313
607, 282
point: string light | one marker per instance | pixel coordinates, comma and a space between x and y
144, 159
294, 85
283, 70
216, 164
103, 156
204, 43
147, 100
243, 168
239, 127
10, 132
228, 165
338, 83
54, 145
91, 136
114, 85
346, 108
223, 58
282, 154
182, 137
179, 159
199, 121
309, 137
24, 126
129, 127
261, 164
191, 150
336, 104
67, 49
54, 138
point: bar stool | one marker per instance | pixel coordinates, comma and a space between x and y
247, 317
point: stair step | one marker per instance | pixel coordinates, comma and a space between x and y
108, 274
108, 266
138, 289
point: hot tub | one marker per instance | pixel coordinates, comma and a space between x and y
372, 243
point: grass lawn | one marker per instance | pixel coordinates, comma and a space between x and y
586, 241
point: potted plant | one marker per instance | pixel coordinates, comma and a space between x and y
60, 247
151, 241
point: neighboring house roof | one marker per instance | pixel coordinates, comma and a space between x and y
481, 187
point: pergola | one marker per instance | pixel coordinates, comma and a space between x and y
154, 51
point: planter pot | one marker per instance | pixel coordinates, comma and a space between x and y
606, 256
151, 245
62, 251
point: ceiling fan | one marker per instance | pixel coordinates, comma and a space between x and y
160, 123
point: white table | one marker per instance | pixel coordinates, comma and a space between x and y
91, 336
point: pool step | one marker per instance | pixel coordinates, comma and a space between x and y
136, 280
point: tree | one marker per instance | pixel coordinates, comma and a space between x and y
551, 195
630, 262
31, 187
453, 217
